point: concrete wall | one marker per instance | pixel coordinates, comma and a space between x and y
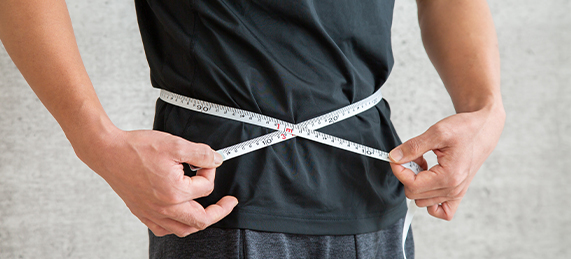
53, 206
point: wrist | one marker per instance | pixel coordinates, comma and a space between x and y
486, 113
493, 110
491, 105
488, 123
91, 132
476, 99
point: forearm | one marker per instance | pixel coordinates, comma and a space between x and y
39, 38
143, 167
461, 42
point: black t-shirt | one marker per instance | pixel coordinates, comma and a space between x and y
292, 60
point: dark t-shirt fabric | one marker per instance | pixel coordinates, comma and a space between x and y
292, 60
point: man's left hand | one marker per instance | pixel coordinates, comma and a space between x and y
461, 143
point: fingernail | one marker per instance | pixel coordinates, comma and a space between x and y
396, 155
217, 158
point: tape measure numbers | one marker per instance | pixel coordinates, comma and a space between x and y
286, 130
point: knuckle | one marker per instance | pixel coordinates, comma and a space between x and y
173, 199
204, 153
455, 192
456, 180
160, 232
459, 193
168, 198
424, 203
443, 132
448, 217
184, 232
414, 146
209, 188
200, 221
178, 145
411, 193
163, 211
407, 192
201, 225
203, 149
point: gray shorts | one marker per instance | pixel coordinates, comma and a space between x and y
244, 243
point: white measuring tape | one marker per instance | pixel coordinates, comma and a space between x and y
286, 130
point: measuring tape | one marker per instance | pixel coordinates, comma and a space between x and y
286, 130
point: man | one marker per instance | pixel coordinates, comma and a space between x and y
292, 60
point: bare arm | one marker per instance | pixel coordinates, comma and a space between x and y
39, 38
460, 40
143, 167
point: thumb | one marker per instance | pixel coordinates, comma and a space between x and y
415, 147
198, 155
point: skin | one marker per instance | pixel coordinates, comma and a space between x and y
460, 40
145, 167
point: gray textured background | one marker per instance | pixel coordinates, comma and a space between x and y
53, 206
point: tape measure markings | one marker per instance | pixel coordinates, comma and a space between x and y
286, 130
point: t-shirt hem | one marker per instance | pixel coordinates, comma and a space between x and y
243, 219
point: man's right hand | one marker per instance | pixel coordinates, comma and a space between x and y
145, 169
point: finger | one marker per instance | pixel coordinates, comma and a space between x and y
416, 147
177, 228
421, 162
156, 229
430, 183
200, 185
198, 155
416, 184
185, 188
221, 209
194, 215
448, 192
431, 201
216, 212
445, 210
207, 173
404, 175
